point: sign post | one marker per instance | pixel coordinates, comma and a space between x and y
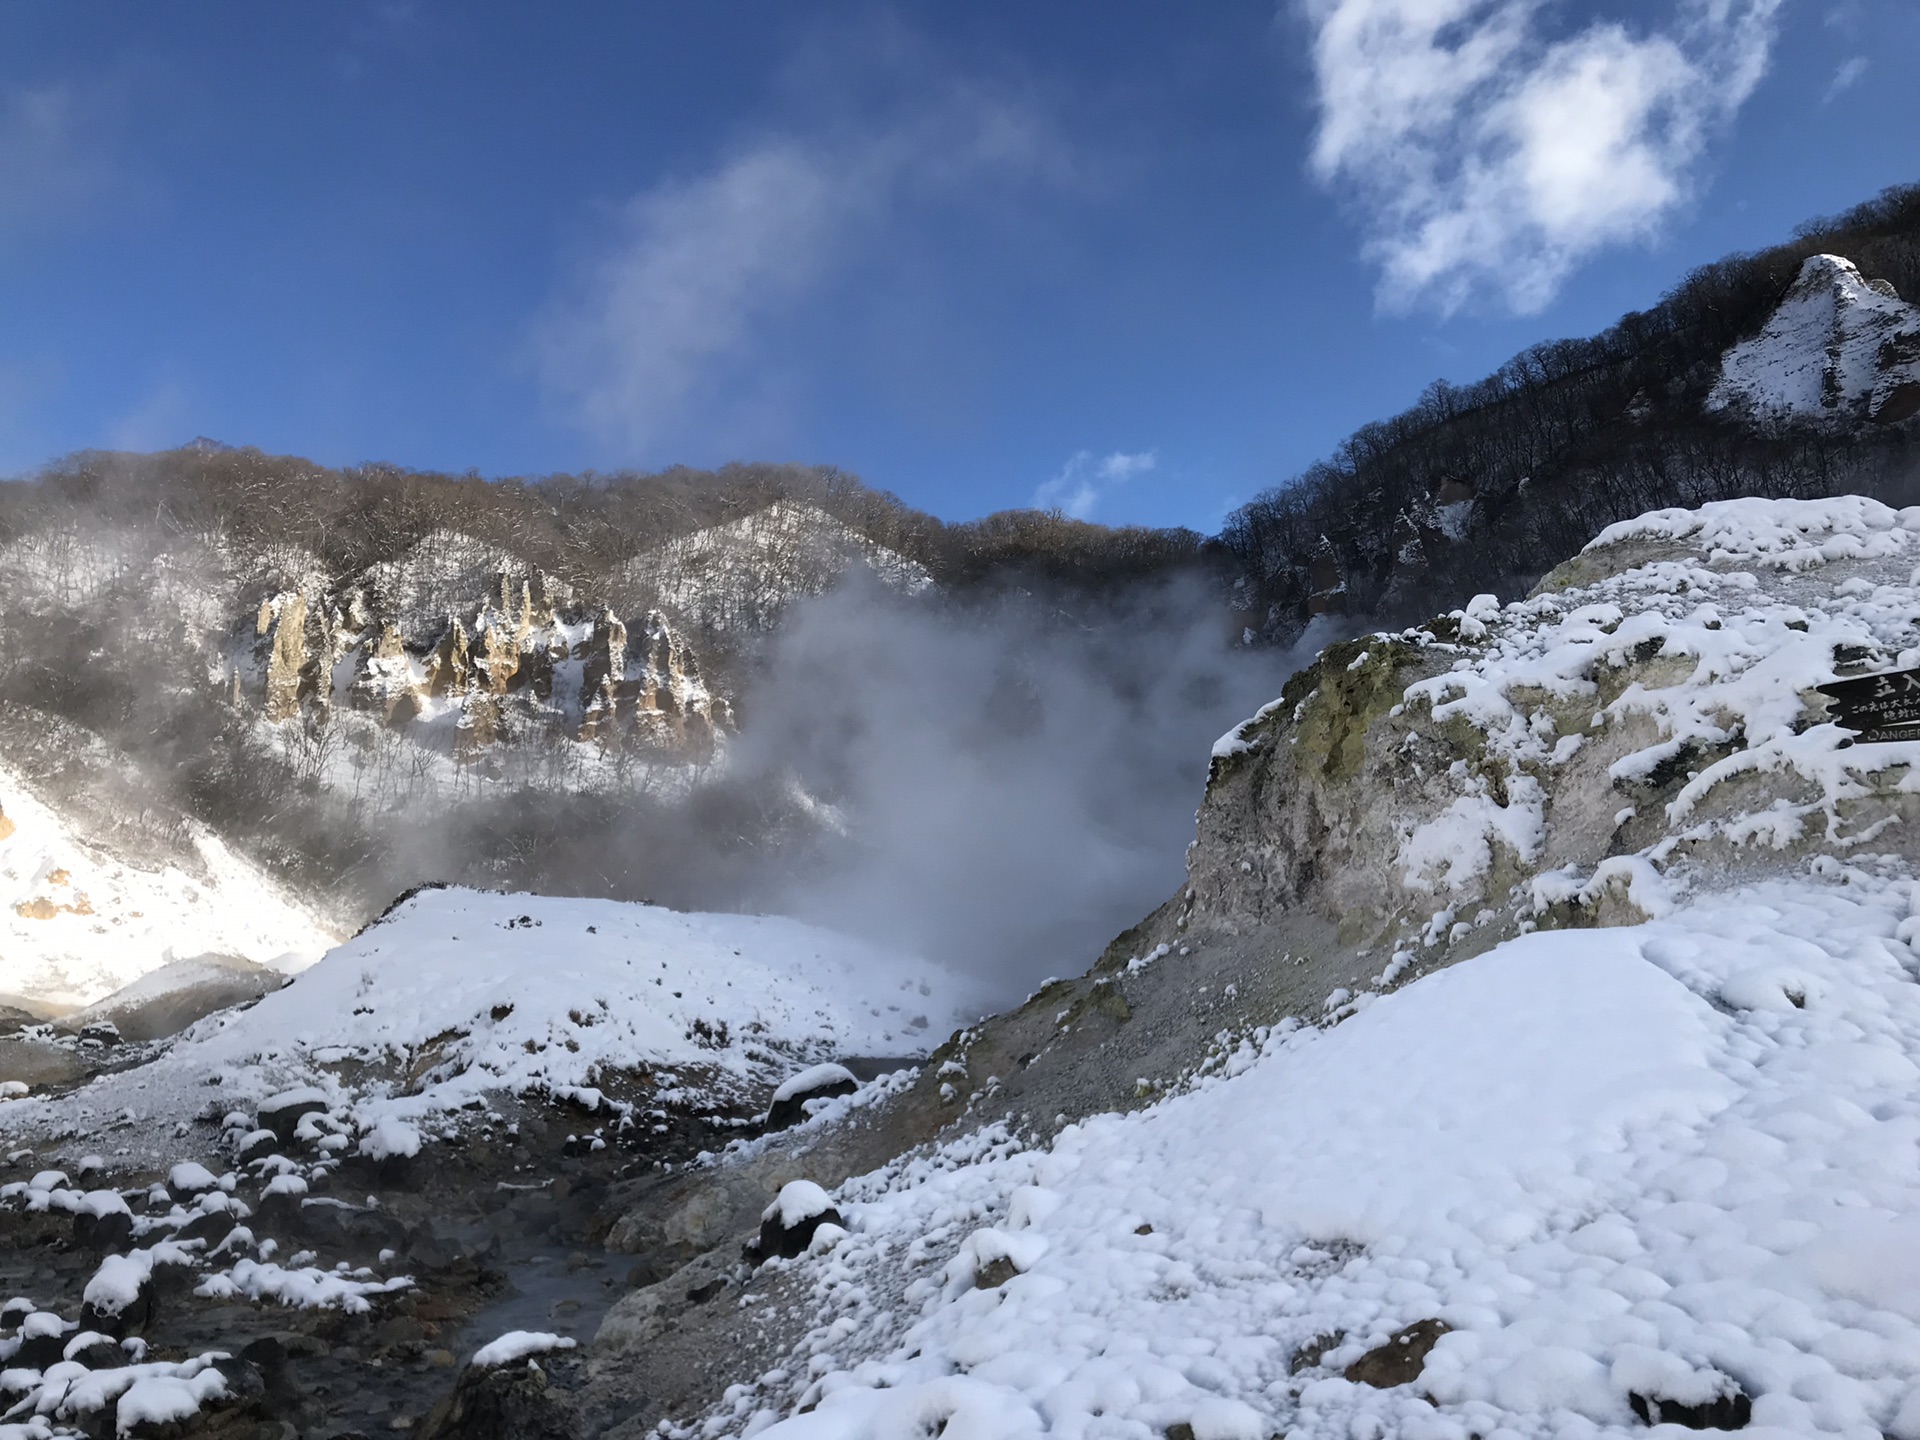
1879, 709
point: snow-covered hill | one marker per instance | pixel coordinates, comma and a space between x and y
1839, 347
77, 923
458, 995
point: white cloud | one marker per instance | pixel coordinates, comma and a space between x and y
1845, 78
1085, 480
673, 309
1490, 158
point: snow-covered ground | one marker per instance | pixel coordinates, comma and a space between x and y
459, 994
76, 924
1647, 1160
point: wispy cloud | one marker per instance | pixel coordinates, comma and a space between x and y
158, 418
1844, 79
1085, 480
1488, 159
673, 309
54, 162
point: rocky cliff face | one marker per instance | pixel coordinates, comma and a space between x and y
742, 576
1840, 348
483, 647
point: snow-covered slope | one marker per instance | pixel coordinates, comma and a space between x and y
1672, 1161
1837, 347
458, 994
77, 924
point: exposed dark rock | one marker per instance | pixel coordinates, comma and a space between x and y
995, 1273
511, 1402
103, 1232
335, 1225
37, 1352
256, 1145
285, 1118
211, 1227
1399, 1360
1311, 1353
1731, 1409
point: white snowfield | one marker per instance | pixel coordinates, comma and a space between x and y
1677, 1160
462, 994
1836, 346
77, 924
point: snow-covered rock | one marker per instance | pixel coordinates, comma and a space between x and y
816, 1082
1838, 347
1649, 714
517, 1345
798, 1213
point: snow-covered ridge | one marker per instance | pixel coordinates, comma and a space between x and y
77, 924
1838, 347
741, 576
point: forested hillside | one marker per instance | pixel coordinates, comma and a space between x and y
1479, 487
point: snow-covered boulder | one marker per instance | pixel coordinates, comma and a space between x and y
789, 1224
816, 1082
1838, 347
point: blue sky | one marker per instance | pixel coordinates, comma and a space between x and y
1138, 260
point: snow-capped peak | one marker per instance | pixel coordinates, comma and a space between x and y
1839, 346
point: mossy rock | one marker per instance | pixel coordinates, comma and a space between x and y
1591, 567
1351, 685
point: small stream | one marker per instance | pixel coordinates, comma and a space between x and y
565, 1290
